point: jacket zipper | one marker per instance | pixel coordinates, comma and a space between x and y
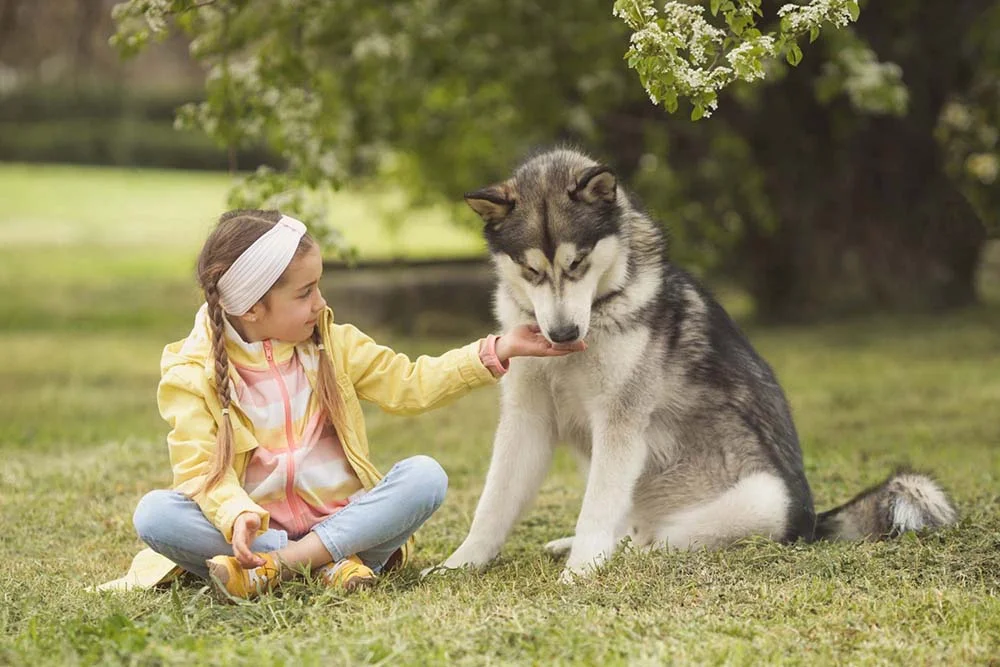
290, 494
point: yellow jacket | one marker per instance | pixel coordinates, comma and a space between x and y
365, 371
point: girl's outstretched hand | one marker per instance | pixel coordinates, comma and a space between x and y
244, 531
527, 340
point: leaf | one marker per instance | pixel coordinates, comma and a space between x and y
670, 103
794, 55
854, 10
738, 23
697, 112
714, 7
813, 34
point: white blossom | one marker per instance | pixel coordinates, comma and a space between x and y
803, 18
676, 51
746, 58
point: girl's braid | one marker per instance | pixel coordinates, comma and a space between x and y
224, 441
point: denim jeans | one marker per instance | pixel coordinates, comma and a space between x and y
372, 527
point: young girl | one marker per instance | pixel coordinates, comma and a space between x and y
267, 440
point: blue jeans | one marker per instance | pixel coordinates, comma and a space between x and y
373, 527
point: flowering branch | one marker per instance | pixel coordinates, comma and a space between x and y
678, 53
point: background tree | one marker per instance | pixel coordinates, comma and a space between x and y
861, 178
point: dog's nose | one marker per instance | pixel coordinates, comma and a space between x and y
566, 334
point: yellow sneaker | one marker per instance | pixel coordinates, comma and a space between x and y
229, 579
348, 575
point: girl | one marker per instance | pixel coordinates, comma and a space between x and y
267, 440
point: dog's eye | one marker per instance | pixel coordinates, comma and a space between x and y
532, 273
577, 262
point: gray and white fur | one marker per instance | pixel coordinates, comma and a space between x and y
682, 431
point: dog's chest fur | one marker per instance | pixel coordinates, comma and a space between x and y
585, 385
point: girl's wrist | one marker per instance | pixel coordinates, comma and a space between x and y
488, 354
502, 349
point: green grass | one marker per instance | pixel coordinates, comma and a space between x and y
81, 442
168, 213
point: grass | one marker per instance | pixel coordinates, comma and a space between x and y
169, 213
81, 442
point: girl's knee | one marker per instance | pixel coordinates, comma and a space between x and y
153, 514
428, 477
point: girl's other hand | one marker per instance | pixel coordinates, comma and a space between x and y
527, 340
244, 531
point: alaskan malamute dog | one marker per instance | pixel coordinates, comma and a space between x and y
683, 433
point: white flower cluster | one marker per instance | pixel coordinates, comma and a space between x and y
803, 18
691, 30
872, 85
675, 51
679, 53
747, 59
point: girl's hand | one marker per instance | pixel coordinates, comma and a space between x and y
244, 531
527, 341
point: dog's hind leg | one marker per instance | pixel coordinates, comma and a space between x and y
755, 505
560, 547
522, 451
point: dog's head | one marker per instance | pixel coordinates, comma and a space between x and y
553, 231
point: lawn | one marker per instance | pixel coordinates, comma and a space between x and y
83, 316
168, 213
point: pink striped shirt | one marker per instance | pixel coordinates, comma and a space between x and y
299, 472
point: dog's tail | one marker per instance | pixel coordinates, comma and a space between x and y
905, 501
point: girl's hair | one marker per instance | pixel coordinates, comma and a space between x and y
235, 232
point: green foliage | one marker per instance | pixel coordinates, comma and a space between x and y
444, 96
430, 92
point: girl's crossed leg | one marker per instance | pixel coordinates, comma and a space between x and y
373, 527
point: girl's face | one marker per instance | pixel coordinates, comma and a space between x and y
291, 308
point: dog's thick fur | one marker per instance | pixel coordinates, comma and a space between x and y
684, 435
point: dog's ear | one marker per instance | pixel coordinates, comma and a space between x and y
493, 204
593, 184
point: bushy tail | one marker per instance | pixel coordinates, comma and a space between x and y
905, 501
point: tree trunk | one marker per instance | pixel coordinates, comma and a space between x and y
88, 18
8, 21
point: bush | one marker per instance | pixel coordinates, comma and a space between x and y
106, 125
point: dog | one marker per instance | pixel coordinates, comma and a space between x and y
684, 435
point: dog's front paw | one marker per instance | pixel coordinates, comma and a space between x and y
446, 567
470, 557
576, 575
567, 577
435, 570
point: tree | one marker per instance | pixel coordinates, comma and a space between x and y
821, 184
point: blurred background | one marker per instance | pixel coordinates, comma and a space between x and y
859, 186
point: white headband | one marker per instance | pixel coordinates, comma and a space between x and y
260, 266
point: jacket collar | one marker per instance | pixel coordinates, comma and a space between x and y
197, 347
